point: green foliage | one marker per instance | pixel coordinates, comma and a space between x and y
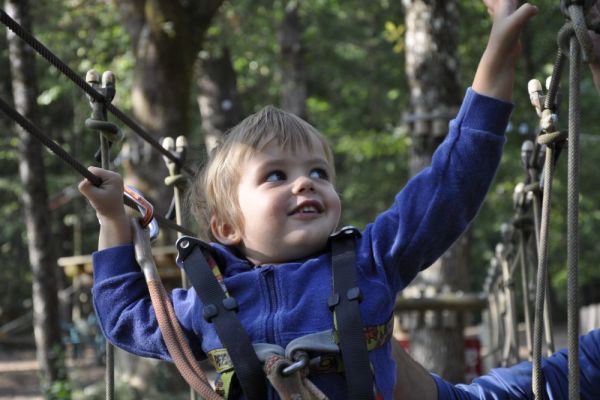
59, 390
84, 34
355, 79
353, 53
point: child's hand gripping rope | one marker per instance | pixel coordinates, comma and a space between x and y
107, 200
495, 74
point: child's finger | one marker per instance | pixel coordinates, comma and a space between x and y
524, 14
500, 8
83, 186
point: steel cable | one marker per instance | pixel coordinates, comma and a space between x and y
81, 83
67, 158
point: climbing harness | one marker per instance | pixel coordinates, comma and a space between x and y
240, 360
220, 310
344, 304
318, 351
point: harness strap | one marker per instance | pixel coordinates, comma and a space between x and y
322, 348
344, 304
220, 310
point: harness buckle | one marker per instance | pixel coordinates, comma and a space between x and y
346, 231
301, 361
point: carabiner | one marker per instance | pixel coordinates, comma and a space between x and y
146, 209
301, 361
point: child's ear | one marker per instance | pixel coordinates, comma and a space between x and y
225, 233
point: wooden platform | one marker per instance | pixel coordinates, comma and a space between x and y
164, 256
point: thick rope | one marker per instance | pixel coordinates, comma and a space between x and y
579, 46
541, 280
177, 182
573, 215
294, 386
82, 84
99, 114
550, 101
522, 255
510, 354
176, 343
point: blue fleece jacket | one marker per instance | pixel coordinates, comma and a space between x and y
282, 302
515, 382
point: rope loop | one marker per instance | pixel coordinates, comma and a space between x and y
566, 4
576, 24
532, 187
109, 130
552, 139
179, 181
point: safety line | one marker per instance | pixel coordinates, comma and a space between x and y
66, 157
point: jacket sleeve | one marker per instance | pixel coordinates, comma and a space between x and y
122, 303
437, 205
515, 382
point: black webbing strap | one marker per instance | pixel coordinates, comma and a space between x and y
220, 310
344, 303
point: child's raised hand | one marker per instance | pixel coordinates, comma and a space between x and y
508, 22
495, 74
107, 199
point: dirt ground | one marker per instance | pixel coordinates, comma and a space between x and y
19, 372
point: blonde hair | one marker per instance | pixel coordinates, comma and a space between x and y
213, 193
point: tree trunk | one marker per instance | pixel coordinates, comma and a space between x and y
293, 76
432, 70
50, 351
166, 37
218, 99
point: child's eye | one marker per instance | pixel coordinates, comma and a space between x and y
319, 173
275, 176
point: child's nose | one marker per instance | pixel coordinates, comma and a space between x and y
303, 183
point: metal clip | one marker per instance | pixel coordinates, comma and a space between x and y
146, 209
300, 363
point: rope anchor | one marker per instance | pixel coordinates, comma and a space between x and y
109, 132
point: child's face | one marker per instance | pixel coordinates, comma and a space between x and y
288, 203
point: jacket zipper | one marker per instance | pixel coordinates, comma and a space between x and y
269, 279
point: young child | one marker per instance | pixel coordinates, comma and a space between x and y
271, 205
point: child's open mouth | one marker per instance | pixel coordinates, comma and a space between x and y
308, 207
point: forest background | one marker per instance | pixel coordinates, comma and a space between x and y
357, 94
